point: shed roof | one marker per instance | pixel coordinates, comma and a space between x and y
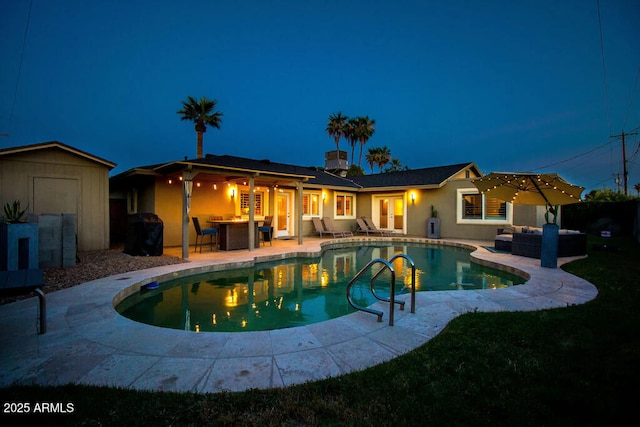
56, 145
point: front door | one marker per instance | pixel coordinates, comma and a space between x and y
283, 214
390, 212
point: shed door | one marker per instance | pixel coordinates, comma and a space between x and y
55, 195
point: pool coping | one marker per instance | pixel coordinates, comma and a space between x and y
88, 342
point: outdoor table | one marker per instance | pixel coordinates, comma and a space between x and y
235, 234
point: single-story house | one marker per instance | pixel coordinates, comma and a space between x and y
221, 186
54, 178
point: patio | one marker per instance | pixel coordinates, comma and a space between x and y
87, 342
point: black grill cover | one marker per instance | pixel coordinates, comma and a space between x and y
144, 235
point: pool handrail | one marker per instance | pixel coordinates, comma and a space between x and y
392, 292
413, 279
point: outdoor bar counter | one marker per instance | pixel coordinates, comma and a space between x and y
235, 234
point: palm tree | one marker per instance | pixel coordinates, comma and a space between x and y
384, 157
378, 156
372, 157
336, 127
365, 128
351, 133
637, 188
202, 114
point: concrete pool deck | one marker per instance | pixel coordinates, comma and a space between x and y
88, 342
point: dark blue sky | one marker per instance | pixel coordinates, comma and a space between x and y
510, 85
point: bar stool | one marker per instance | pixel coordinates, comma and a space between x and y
266, 229
201, 232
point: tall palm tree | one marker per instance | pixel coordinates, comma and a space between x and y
372, 157
202, 113
384, 157
336, 127
351, 133
365, 128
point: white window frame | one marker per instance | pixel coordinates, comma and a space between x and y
310, 194
259, 202
460, 210
353, 206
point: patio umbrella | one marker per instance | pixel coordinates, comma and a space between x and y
533, 189
529, 188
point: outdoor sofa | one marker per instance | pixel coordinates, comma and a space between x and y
527, 241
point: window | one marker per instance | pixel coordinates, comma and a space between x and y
311, 204
244, 202
474, 207
345, 207
132, 201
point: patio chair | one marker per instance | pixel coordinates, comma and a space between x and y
321, 229
373, 229
266, 230
328, 225
364, 228
202, 232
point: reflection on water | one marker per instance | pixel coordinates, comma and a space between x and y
304, 290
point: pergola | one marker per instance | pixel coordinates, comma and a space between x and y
224, 169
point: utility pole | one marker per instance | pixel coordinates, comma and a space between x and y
624, 159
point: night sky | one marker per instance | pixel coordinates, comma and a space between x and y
509, 85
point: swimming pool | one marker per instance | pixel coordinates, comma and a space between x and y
302, 291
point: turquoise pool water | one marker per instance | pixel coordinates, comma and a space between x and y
302, 291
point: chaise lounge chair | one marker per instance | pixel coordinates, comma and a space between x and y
364, 229
321, 229
373, 229
328, 225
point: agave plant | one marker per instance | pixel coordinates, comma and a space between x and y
12, 212
553, 210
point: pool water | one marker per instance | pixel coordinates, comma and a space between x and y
302, 291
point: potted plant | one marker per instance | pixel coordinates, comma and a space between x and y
433, 224
550, 238
18, 239
13, 214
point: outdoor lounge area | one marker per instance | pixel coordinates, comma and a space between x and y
527, 241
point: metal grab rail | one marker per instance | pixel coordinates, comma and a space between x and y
391, 299
413, 280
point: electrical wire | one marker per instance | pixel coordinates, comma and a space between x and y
574, 157
15, 92
604, 68
633, 94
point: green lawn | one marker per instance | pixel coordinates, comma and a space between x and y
571, 366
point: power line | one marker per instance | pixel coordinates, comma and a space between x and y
604, 68
15, 92
574, 157
633, 94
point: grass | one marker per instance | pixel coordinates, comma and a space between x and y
571, 366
